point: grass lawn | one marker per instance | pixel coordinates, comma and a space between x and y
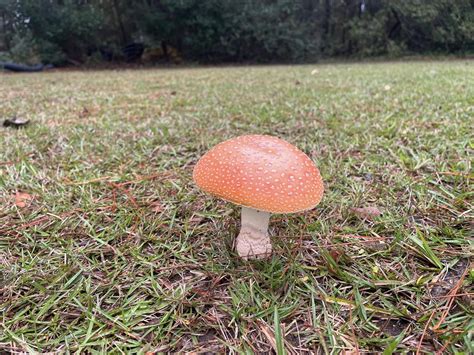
107, 245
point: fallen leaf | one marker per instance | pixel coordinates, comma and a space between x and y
84, 113
195, 219
156, 207
22, 199
367, 212
314, 72
336, 254
156, 95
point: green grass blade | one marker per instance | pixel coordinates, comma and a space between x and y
280, 343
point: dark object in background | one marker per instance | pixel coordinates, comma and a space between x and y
133, 51
107, 54
24, 68
15, 122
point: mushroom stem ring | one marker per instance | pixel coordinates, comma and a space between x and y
253, 241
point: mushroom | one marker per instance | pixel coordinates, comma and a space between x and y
263, 174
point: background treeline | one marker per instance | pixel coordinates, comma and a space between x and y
83, 31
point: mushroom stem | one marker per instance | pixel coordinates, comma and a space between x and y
253, 241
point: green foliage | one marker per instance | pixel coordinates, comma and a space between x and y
62, 30
441, 25
24, 49
269, 32
29, 31
245, 30
230, 31
367, 37
51, 52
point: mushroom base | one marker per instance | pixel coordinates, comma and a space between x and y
253, 241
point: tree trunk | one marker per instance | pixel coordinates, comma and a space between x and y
118, 18
325, 26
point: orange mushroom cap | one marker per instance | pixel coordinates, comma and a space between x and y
261, 172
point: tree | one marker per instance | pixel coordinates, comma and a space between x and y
59, 31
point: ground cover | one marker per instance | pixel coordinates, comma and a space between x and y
107, 245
